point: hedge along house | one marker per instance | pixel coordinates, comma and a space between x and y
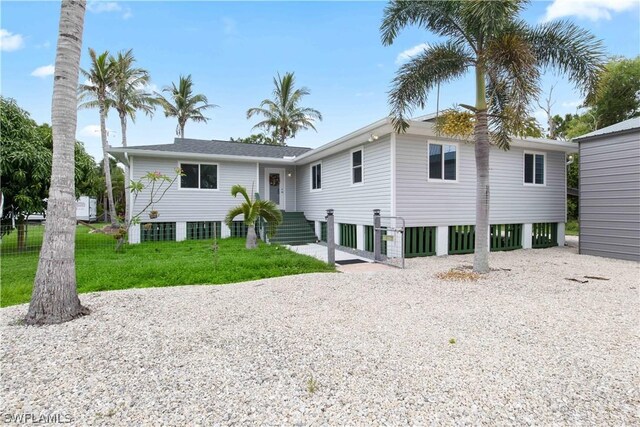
427, 179
610, 191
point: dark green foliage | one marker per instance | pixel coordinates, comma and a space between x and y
25, 162
257, 138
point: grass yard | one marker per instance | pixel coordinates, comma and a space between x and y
572, 228
100, 268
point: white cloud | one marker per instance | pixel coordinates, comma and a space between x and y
45, 45
407, 54
92, 131
97, 6
229, 26
9, 41
44, 71
593, 10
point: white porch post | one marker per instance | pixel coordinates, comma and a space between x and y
225, 231
360, 237
336, 233
442, 240
527, 230
561, 235
181, 231
134, 234
318, 229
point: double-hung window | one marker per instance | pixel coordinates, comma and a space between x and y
356, 167
197, 175
443, 162
534, 164
316, 176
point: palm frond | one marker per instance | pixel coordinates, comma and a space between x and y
232, 214
437, 64
572, 50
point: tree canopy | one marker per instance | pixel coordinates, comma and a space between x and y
25, 163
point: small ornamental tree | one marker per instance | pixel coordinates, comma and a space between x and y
252, 210
158, 185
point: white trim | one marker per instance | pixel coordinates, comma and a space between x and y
257, 186
311, 165
283, 186
442, 180
181, 188
393, 173
544, 167
361, 149
130, 161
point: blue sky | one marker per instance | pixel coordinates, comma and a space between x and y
233, 50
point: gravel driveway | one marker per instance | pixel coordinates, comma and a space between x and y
369, 348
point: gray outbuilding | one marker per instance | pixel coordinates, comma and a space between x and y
610, 191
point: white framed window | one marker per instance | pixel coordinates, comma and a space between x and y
442, 162
534, 168
202, 176
357, 166
316, 176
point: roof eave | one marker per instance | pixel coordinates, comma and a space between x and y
119, 152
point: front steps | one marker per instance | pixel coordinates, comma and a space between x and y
294, 230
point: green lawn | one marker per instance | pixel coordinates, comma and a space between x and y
100, 268
572, 228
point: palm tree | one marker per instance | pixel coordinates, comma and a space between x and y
55, 296
284, 116
127, 96
253, 210
507, 56
183, 104
94, 93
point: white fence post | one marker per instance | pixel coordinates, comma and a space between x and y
442, 240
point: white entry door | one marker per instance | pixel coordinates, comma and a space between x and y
274, 186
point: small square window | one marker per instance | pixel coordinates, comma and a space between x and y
534, 168
443, 159
209, 176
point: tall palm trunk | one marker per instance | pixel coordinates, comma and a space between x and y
482, 147
127, 192
55, 297
106, 162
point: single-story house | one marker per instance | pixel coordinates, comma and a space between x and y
610, 191
427, 179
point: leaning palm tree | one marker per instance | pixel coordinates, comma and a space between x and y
94, 94
252, 210
55, 296
506, 55
184, 104
127, 95
284, 116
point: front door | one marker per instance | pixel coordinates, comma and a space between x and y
274, 179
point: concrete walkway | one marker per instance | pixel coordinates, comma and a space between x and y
320, 252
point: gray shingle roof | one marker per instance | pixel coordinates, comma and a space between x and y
227, 148
625, 125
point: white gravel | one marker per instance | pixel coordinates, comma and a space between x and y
531, 348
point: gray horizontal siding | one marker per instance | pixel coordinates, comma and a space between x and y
610, 196
352, 203
180, 204
423, 202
